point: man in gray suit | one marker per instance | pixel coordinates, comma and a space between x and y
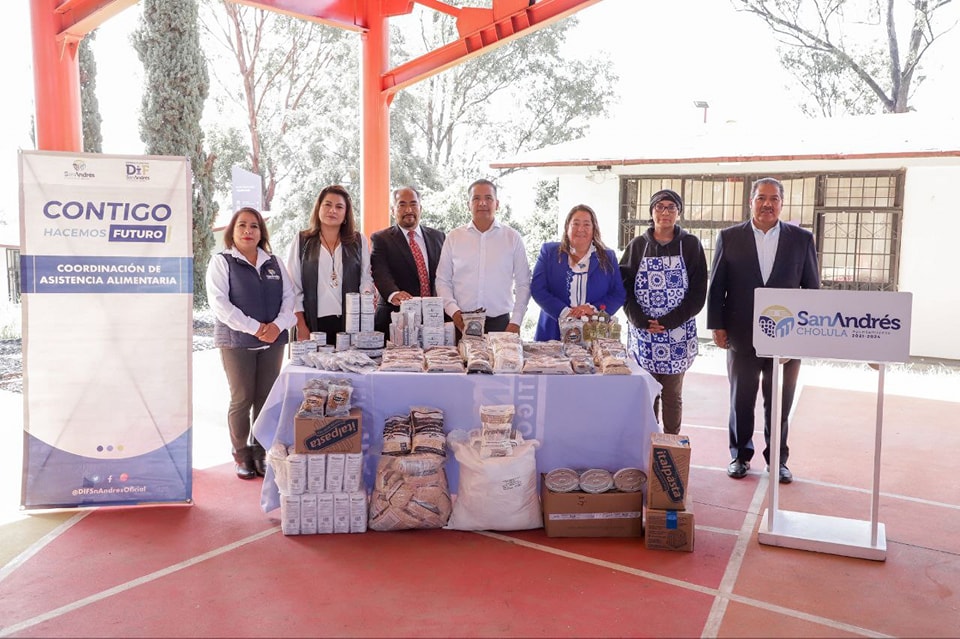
393, 262
762, 252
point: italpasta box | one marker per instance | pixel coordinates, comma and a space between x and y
581, 514
670, 529
669, 471
340, 434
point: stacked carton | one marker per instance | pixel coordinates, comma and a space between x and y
669, 508
420, 323
320, 476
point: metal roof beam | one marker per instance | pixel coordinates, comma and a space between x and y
80, 17
481, 31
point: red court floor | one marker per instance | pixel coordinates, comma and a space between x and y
221, 568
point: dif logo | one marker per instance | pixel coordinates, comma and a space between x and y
138, 171
777, 321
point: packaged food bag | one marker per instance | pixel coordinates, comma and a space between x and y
495, 493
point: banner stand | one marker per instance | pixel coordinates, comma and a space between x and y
852, 326
106, 262
823, 533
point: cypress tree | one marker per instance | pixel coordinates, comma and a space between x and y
89, 105
175, 89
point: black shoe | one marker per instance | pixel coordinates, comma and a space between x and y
785, 475
245, 470
260, 467
738, 469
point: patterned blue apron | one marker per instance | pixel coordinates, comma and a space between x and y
660, 286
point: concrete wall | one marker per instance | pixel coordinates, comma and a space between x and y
929, 251
602, 194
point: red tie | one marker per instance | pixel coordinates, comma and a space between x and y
421, 266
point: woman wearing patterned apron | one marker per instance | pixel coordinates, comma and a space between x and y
665, 274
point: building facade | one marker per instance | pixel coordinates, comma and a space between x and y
877, 193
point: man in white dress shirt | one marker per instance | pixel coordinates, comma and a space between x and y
483, 264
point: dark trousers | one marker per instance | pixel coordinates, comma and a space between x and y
250, 375
670, 400
745, 371
329, 324
496, 324
381, 320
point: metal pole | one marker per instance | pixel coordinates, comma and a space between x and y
56, 80
375, 131
875, 503
774, 474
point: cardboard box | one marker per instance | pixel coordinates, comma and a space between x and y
580, 514
328, 434
669, 471
669, 529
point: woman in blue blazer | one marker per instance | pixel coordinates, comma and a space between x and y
575, 276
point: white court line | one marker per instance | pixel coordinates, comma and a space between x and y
705, 427
719, 608
853, 489
40, 544
139, 581
727, 596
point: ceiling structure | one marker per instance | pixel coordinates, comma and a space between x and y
59, 26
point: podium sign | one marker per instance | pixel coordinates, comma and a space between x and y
866, 326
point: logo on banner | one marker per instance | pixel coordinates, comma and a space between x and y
333, 432
79, 172
776, 321
138, 171
84, 220
779, 322
666, 471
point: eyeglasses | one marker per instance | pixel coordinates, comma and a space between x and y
665, 208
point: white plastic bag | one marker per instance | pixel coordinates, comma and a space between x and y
496, 493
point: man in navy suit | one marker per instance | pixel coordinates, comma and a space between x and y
392, 260
762, 252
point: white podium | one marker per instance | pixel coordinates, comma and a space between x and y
865, 326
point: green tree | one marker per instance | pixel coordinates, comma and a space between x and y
304, 116
541, 226
849, 53
519, 97
175, 89
89, 105
832, 88
293, 91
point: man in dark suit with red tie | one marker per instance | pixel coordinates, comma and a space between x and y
761, 252
404, 257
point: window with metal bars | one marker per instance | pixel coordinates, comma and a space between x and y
858, 230
855, 218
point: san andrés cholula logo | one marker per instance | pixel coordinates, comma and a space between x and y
779, 321
79, 171
776, 321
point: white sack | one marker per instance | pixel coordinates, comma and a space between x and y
496, 493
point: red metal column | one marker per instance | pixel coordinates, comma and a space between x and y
56, 81
375, 116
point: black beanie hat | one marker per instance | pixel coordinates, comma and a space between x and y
666, 194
